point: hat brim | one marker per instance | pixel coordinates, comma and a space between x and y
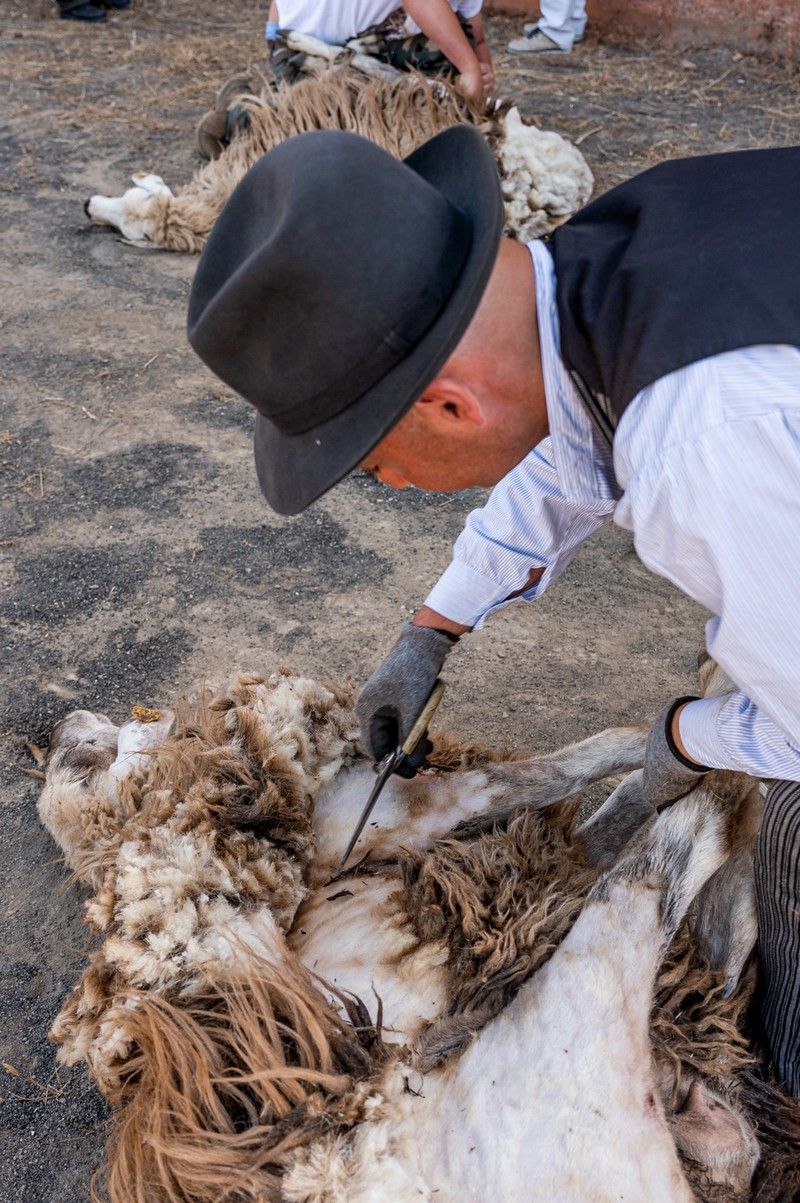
295, 470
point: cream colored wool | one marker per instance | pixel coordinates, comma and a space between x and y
544, 178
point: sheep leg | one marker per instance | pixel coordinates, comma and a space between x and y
552, 778
725, 922
373, 66
714, 681
564, 1075
413, 814
613, 825
609, 829
306, 43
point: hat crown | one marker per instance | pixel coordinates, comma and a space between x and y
332, 262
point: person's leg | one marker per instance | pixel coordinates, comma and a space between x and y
777, 870
563, 21
561, 25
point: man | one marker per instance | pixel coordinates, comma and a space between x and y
373, 314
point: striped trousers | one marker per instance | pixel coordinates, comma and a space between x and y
777, 872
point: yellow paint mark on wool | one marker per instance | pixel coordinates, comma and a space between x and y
143, 714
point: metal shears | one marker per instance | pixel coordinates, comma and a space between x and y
390, 762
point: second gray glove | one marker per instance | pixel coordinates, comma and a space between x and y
668, 775
394, 696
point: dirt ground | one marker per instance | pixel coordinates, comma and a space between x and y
136, 554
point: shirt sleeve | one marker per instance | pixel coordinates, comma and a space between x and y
731, 732
720, 519
527, 523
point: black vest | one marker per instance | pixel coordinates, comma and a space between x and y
690, 259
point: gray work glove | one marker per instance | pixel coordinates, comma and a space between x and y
668, 775
394, 696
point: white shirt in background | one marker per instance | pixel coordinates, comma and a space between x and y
706, 474
336, 21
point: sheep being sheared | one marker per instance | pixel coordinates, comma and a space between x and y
541, 1031
544, 178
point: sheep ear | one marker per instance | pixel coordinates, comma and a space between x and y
153, 185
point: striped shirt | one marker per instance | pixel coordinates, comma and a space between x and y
706, 474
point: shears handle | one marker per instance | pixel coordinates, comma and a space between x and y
423, 721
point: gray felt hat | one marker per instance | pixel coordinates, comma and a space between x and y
335, 284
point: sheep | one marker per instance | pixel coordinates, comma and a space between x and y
544, 178
541, 1029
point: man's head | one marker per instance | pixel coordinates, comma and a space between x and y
485, 409
341, 289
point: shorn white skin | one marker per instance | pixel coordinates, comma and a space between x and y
565, 1072
350, 935
556, 1098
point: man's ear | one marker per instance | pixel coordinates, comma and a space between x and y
448, 401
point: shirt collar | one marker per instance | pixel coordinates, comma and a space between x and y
582, 459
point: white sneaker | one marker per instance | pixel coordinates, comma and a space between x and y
535, 43
530, 26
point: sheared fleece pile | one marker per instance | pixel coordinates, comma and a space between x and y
205, 1034
225, 1064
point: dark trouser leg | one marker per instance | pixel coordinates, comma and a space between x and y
777, 867
78, 7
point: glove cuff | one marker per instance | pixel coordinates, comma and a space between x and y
673, 747
432, 637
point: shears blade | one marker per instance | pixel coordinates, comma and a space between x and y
390, 762
385, 770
